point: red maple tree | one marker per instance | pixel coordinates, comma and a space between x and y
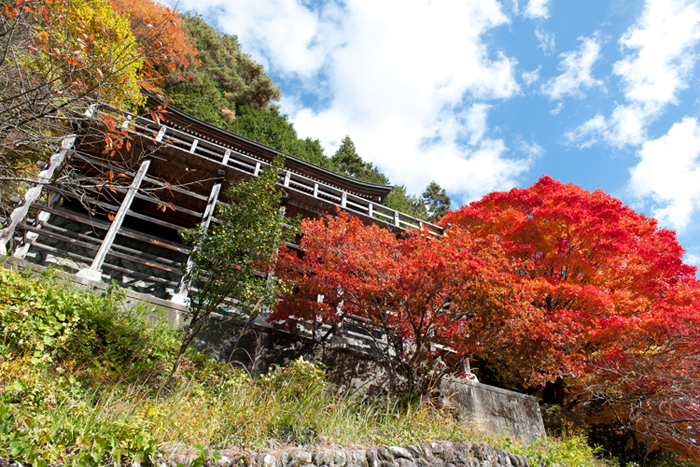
614, 316
427, 296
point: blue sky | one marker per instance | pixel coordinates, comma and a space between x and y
484, 95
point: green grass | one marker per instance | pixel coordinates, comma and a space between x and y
80, 383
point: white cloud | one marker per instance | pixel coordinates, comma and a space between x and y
413, 106
531, 76
663, 42
669, 174
588, 132
557, 109
537, 9
576, 67
530, 148
660, 55
476, 122
692, 258
546, 41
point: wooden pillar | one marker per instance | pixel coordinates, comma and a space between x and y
93, 272
41, 218
181, 296
33, 193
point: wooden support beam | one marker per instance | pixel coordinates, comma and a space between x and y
396, 219
344, 200
181, 296
33, 193
161, 133
93, 272
41, 218
194, 146
94, 223
227, 156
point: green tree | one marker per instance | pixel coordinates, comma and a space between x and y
436, 201
230, 263
348, 162
222, 75
400, 200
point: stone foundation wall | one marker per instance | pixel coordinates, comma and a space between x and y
444, 454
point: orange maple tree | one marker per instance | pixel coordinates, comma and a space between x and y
614, 313
426, 295
161, 33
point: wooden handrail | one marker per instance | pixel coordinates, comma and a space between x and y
248, 164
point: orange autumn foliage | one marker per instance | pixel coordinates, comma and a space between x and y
161, 33
546, 284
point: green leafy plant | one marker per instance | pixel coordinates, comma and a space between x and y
231, 262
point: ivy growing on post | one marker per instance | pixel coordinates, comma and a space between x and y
231, 263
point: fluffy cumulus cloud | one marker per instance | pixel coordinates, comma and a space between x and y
659, 57
669, 174
537, 9
576, 68
412, 105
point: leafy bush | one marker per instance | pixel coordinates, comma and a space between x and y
44, 319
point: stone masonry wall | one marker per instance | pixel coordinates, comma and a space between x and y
443, 454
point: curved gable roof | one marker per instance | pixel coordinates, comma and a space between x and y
190, 124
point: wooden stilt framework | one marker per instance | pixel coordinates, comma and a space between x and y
179, 167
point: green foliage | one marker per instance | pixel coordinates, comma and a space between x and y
45, 321
551, 451
436, 201
400, 200
230, 260
347, 162
58, 347
75, 411
230, 76
275, 130
229, 263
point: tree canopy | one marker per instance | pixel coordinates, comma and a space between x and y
160, 31
550, 286
613, 314
59, 58
425, 294
229, 262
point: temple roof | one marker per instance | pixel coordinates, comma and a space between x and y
203, 130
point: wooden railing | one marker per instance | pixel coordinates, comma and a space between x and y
248, 164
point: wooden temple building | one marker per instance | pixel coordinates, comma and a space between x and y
110, 207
